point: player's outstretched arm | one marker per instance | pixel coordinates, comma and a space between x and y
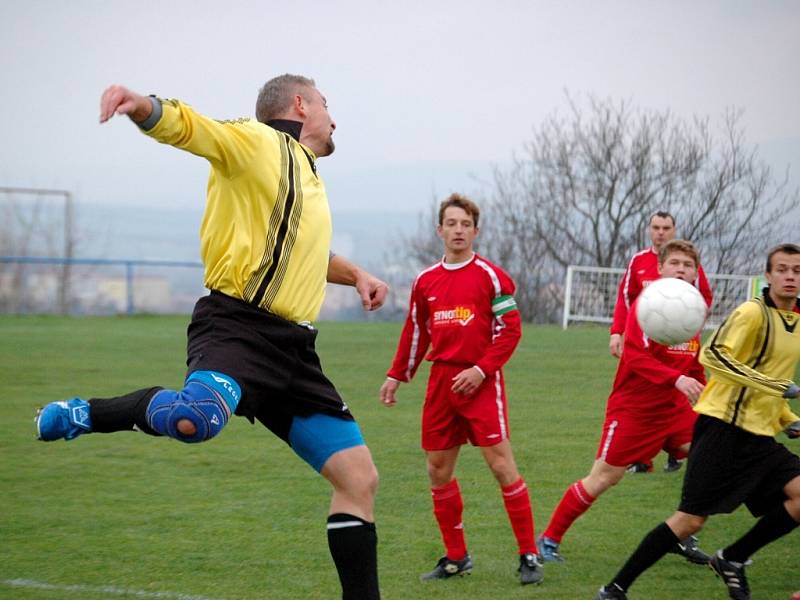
388, 393
119, 100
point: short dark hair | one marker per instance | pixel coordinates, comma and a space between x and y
275, 97
662, 214
684, 246
460, 201
785, 248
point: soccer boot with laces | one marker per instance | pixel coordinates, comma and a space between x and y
610, 592
530, 569
673, 464
548, 549
447, 568
689, 549
732, 573
66, 419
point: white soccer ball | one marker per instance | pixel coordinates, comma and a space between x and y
671, 311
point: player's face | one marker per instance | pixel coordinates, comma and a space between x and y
662, 230
457, 230
679, 265
318, 126
784, 278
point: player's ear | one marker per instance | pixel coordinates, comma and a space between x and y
299, 105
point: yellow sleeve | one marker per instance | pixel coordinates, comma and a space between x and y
228, 145
787, 417
738, 337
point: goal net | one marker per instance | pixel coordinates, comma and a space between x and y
591, 292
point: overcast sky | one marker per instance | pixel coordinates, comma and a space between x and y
426, 95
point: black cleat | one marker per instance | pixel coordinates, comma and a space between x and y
732, 573
673, 464
530, 569
640, 467
611, 592
447, 568
690, 551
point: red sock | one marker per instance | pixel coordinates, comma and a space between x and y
518, 507
447, 508
575, 502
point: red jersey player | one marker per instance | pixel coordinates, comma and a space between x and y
642, 269
463, 308
647, 411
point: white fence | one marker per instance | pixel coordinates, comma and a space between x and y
591, 292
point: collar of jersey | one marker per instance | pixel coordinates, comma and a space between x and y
455, 266
293, 128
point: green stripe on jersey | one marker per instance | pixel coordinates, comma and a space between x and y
503, 304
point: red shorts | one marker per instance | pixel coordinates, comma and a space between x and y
629, 439
450, 419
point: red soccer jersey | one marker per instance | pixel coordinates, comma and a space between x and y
647, 372
465, 312
641, 271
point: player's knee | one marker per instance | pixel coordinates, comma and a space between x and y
186, 428
685, 524
364, 486
439, 473
504, 471
611, 479
199, 411
371, 480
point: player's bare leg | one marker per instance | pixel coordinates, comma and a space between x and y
442, 465
354, 478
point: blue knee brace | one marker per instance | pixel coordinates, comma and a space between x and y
207, 400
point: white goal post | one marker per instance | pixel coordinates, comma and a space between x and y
591, 292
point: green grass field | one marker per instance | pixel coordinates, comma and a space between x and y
127, 515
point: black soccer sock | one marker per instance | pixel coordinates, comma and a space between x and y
769, 528
123, 412
353, 543
654, 545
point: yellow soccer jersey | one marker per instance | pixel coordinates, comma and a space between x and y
752, 358
266, 231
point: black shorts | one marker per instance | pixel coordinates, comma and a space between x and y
273, 361
729, 466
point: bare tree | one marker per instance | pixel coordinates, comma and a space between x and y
583, 188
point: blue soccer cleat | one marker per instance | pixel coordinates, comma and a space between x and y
548, 549
66, 419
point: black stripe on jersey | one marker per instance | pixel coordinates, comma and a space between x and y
273, 226
293, 220
283, 228
767, 323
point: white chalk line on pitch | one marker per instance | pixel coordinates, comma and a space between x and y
100, 589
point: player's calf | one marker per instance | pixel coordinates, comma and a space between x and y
199, 411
